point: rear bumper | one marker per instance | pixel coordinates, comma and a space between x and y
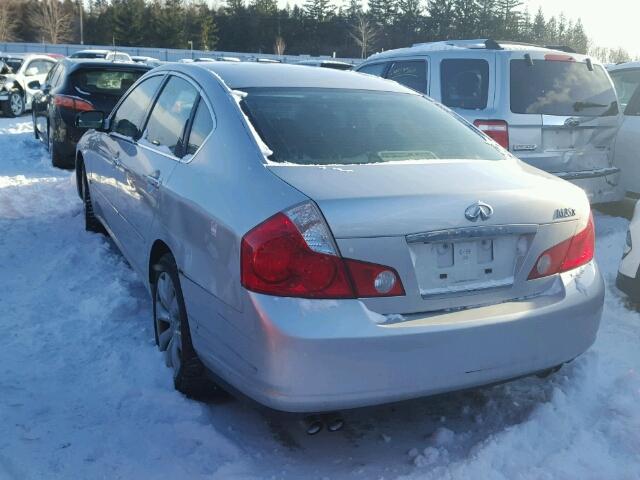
601, 185
322, 355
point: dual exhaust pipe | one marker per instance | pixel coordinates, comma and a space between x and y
314, 424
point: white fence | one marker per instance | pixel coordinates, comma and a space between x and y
165, 54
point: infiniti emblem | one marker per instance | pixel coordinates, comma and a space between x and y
478, 210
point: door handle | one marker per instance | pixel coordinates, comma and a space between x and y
153, 178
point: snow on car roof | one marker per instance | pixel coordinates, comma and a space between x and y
623, 66
254, 74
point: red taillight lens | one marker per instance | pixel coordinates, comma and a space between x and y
72, 103
498, 130
572, 253
278, 258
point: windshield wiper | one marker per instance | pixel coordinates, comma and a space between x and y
579, 106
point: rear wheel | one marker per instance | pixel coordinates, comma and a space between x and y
173, 335
54, 152
91, 222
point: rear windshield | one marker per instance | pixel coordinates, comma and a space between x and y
110, 82
13, 63
315, 126
561, 88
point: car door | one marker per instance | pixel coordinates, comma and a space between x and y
148, 163
41, 100
35, 73
627, 145
125, 129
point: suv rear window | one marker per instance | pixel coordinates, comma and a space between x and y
110, 82
465, 83
561, 88
315, 126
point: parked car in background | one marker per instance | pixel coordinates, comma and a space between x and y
555, 110
334, 64
110, 55
383, 251
72, 86
20, 78
629, 271
626, 78
151, 61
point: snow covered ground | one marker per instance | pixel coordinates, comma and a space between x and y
85, 394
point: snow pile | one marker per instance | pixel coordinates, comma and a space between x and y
85, 394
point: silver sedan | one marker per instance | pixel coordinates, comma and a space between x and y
320, 240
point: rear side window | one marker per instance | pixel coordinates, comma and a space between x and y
40, 67
108, 82
200, 129
170, 115
465, 83
130, 115
376, 69
410, 73
633, 108
561, 88
626, 82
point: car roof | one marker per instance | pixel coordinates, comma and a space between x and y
92, 51
624, 66
254, 74
471, 46
25, 55
77, 63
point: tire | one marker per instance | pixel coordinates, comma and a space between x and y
173, 336
54, 154
91, 222
14, 107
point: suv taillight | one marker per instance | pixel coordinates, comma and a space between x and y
572, 253
496, 129
73, 103
292, 254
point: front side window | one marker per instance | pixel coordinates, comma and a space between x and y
200, 129
562, 88
130, 115
40, 67
170, 116
626, 82
465, 83
410, 73
315, 126
376, 69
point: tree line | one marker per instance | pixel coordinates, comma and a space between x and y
317, 27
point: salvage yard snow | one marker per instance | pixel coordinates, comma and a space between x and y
85, 395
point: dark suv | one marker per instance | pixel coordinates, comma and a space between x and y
74, 86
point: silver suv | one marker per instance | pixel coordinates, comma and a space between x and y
554, 109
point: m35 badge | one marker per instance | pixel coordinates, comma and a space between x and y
564, 213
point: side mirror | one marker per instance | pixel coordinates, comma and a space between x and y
35, 85
31, 71
93, 119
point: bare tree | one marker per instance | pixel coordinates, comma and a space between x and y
53, 22
279, 46
365, 33
8, 22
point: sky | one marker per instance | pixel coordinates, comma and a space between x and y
609, 23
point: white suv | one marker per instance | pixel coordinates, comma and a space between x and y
554, 109
21, 76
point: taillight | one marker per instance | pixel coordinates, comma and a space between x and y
74, 103
572, 253
498, 130
292, 254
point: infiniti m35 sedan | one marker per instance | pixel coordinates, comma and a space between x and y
319, 240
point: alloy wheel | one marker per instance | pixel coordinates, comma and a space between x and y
16, 103
167, 321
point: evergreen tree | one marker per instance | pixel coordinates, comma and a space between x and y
538, 28
383, 12
465, 18
441, 18
319, 10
